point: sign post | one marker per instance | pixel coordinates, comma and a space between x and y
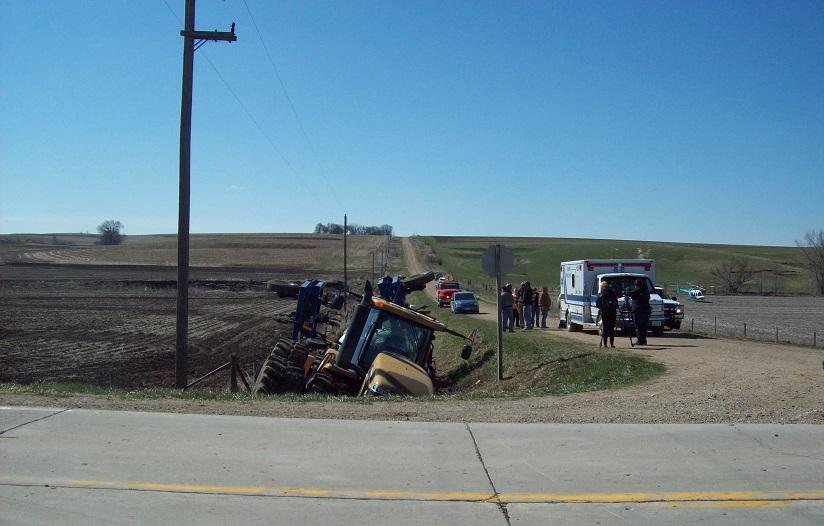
498, 260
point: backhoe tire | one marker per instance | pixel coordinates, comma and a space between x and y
273, 375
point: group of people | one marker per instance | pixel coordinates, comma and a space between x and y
528, 307
607, 304
524, 307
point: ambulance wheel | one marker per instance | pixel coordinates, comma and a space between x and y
572, 327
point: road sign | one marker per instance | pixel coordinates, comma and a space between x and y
505, 264
498, 260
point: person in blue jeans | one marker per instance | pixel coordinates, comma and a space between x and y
526, 296
507, 314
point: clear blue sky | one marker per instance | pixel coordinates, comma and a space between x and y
689, 121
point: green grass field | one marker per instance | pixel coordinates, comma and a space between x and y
535, 363
678, 264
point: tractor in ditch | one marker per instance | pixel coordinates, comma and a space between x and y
385, 349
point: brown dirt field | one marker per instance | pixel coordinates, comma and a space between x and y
70, 310
708, 380
309, 253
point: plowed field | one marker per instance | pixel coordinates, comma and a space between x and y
125, 336
74, 311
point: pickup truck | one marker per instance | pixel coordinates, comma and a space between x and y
673, 310
445, 290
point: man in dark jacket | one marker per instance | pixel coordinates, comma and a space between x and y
640, 309
607, 304
526, 298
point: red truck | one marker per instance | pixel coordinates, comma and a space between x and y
444, 290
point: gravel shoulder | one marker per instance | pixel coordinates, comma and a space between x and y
708, 380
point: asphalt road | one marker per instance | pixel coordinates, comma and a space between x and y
108, 467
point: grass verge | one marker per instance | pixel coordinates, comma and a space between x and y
68, 389
534, 363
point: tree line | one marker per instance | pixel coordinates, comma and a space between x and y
353, 229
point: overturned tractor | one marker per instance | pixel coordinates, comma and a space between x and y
386, 348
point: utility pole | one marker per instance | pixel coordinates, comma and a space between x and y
192, 40
345, 271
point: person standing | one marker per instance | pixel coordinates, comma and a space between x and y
536, 307
640, 310
507, 316
526, 301
607, 304
544, 303
516, 308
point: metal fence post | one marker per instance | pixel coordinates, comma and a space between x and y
233, 382
745, 329
692, 325
776, 335
716, 325
814, 344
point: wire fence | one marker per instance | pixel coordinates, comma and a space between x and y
750, 331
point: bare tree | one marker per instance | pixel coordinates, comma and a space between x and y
110, 232
733, 274
812, 250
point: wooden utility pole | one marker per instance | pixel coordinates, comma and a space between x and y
345, 269
192, 40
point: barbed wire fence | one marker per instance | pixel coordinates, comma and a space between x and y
745, 330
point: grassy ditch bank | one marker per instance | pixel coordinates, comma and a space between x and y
534, 363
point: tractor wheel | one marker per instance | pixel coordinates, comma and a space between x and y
274, 374
324, 383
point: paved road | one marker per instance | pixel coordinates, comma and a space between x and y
108, 467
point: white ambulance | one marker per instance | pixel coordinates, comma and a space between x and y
579, 291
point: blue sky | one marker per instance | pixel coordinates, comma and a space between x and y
681, 121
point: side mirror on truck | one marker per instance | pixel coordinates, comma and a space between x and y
466, 352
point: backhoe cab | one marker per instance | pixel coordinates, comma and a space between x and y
386, 348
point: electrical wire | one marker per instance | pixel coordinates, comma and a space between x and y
245, 109
286, 94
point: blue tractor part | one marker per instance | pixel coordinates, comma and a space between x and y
307, 312
392, 289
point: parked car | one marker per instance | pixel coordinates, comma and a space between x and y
445, 290
464, 302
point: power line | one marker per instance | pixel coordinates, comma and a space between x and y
245, 109
286, 93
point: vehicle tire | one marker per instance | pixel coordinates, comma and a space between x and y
278, 374
676, 325
324, 383
658, 331
572, 327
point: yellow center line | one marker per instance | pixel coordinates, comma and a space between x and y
665, 498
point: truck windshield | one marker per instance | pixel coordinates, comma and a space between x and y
397, 336
626, 283
450, 285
